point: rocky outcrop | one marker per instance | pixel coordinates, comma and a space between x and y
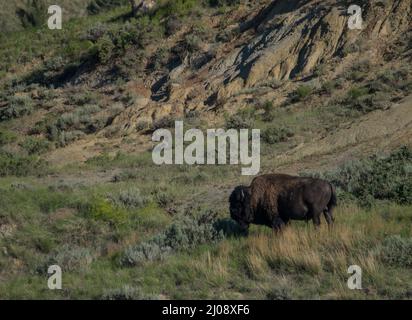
284, 40
294, 37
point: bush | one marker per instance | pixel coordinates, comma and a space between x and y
80, 99
275, 135
383, 178
116, 40
130, 199
178, 8
103, 210
268, 115
162, 198
105, 48
193, 43
279, 292
329, 86
71, 126
69, 258
68, 120
173, 25
35, 145
64, 138
366, 99
244, 119
184, 234
97, 6
17, 165
18, 106
95, 32
359, 70
301, 93
160, 58
163, 123
397, 251
33, 13
356, 93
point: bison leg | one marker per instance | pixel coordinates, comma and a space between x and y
278, 224
316, 220
329, 217
245, 231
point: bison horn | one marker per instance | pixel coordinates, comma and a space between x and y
242, 194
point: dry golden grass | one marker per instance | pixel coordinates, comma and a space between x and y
301, 248
212, 268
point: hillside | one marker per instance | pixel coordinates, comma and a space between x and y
78, 107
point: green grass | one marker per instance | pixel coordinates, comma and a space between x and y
311, 265
89, 232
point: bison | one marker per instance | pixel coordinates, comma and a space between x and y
275, 199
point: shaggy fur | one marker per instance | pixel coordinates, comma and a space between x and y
275, 199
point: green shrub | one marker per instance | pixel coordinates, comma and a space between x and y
142, 125
82, 98
397, 251
103, 210
329, 86
279, 292
162, 198
18, 106
359, 70
69, 258
35, 145
301, 93
366, 99
130, 198
64, 138
105, 48
244, 119
94, 33
356, 93
68, 120
97, 6
174, 7
378, 177
193, 43
163, 123
160, 58
184, 234
17, 165
117, 39
33, 13
275, 135
268, 108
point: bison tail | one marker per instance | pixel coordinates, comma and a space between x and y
333, 199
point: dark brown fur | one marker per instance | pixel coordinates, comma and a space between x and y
275, 199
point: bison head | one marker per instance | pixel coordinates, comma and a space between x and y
240, 209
